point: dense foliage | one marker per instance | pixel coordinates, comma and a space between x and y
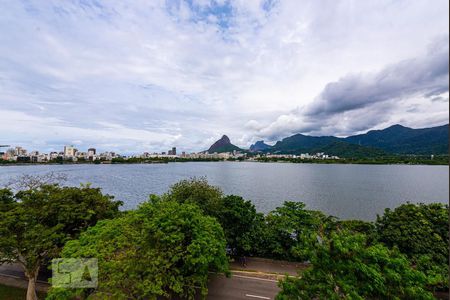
378, 160
239, 221
357, 226
350, 263
290, 232
35, 223
347, 150
352, 156
345, 267
421, 232
196, 191
162, 249
168, 245
237, 216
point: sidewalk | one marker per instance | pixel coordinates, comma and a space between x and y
268, 266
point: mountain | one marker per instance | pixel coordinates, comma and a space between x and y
396, 139
223, 145
399, 139
330, 145
347, 150
300, 143
259, 146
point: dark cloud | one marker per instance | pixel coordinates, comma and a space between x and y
439, 99
360, 102
426, 76
146, 76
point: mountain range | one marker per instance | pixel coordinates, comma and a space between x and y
403, 140
396, 139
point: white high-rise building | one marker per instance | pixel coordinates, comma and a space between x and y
19, 151
69, 151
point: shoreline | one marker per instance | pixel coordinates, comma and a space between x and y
232, 161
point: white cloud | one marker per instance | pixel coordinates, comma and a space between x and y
399, 93
170, 72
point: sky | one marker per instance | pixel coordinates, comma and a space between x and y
135, 76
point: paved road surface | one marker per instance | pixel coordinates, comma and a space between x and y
220, 288
241, 287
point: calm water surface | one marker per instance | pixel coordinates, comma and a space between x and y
345, 191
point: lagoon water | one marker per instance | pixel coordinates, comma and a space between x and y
345, 191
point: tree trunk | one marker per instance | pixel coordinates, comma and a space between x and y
32, 278
31, 291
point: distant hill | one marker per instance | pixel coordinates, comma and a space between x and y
398, 139
259, 146
330, 145
347, 150
300, 143
223, 145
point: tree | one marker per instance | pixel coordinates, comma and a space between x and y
358, 226
237, 216
35, 223
32, 182
239, 221
197, 191
344, 267
421, 232
292, 231
162, 249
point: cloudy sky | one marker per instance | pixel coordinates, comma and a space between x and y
135, 76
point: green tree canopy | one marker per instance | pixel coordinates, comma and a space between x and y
358, 226
421, 232
162, 249
344, 267
291, 231
35, 223
240, 222
197, 191
238, 217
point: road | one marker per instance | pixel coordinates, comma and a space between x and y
241, 287
238, 286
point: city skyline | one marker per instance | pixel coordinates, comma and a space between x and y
428, 137
70, 154
147, 76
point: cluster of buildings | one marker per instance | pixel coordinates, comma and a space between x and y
69, 153
320, 155
72, 154
200, 155
223, 155
172, 153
